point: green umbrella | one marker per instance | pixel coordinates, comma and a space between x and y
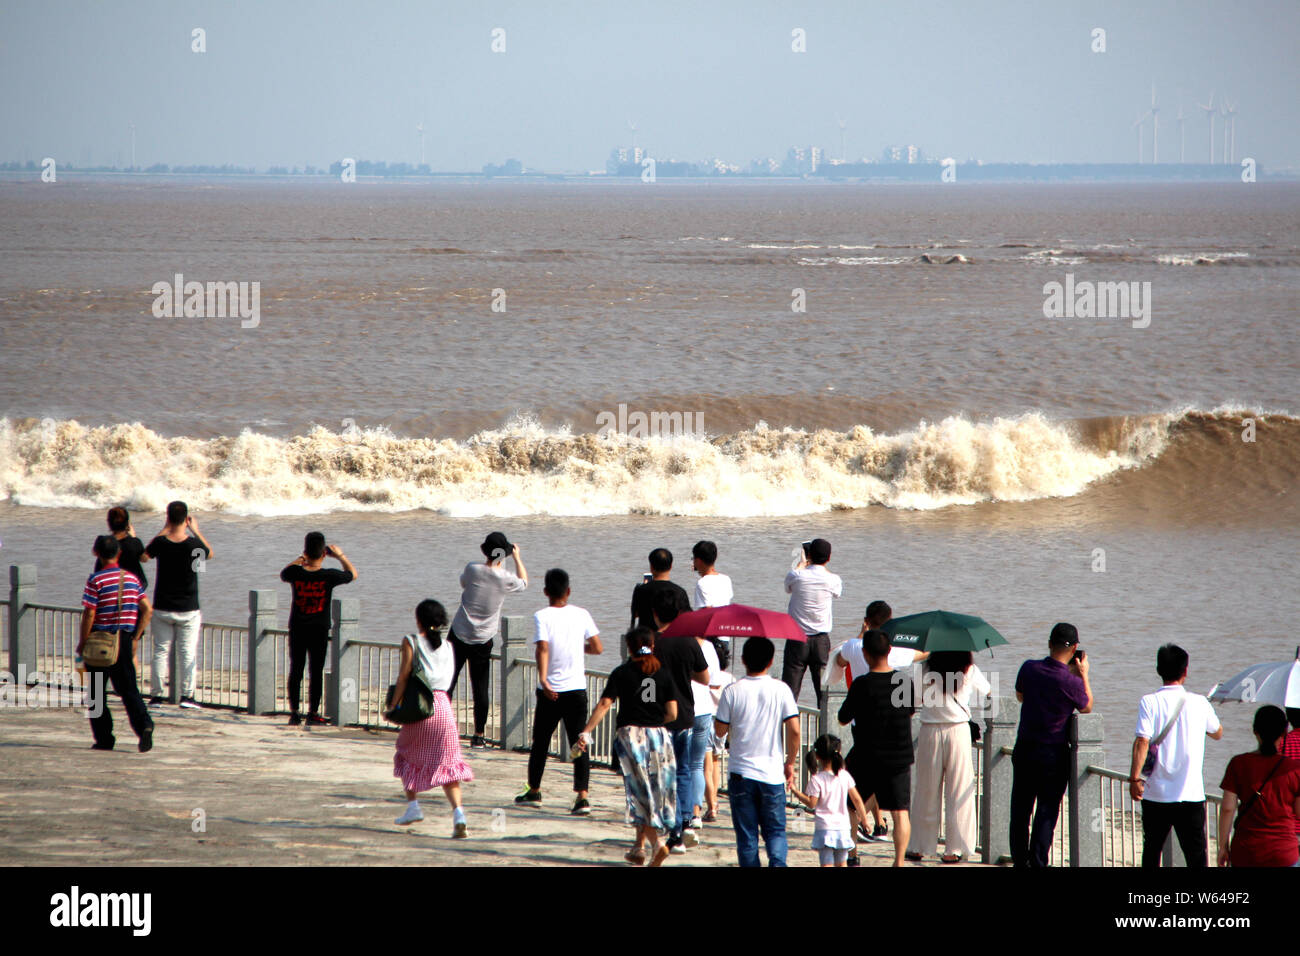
942, 631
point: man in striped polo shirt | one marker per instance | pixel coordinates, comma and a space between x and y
100, 612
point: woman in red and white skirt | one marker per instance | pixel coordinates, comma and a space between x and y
428, 752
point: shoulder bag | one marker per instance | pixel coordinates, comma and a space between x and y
101, 647
417, 699
1149, 765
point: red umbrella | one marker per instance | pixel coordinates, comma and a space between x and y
735, 620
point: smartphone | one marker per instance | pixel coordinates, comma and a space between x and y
806, 546
647, 578
1078, 656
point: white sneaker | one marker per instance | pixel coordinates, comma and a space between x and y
413, 814
695, 823
690, 838
677, 849
189, 704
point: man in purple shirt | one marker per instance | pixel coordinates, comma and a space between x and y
1049, 690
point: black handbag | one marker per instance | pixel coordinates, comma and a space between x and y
417, 700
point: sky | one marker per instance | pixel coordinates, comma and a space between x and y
296, 82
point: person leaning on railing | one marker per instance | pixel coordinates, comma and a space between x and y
1262, 790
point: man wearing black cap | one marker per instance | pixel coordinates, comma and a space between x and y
811, 588
478, 619
1049, 690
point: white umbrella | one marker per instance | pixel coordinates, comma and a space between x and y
1277, 683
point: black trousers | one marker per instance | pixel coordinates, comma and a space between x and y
313, 644
123, 680
812, 655
1187, 820
1039, 776
569, 706
480, 670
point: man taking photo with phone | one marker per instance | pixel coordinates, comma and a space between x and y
1050, 691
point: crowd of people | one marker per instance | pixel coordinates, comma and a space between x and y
679, 710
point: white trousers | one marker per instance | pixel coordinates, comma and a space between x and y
944, 773
182, 626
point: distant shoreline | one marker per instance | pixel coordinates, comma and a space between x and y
916, 174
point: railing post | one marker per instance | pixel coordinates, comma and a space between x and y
22, 620
828, 721
344, 698
515, 632
995, 818
261, 652
1087, 823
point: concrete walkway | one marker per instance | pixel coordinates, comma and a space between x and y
225, 788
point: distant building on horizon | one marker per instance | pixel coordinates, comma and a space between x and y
902, 154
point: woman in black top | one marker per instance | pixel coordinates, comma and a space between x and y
647, 700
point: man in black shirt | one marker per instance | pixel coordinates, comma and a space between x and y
130, 553
645, 593
309, 620
182, 553
684, 660
880, 704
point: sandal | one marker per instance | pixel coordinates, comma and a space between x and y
951, 858
635, 856
914, 857
710, 816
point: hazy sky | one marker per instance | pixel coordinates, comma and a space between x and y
289, 82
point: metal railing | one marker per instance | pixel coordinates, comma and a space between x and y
222, 678
1121, 822
4, 636
601, 750
58, 629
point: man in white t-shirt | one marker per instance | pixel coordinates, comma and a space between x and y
564, 632
713, 589
758, 711
1174, 723
812, 588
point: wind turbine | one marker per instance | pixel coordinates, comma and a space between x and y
1141, 121
632, 127
1209, 111
1182, 136
1232, 120
419, 128
842, 124
1155, 127
1223, 111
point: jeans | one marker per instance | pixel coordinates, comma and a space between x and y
569, 706
1187, 820
300, 647
122, 677
480, 669
1038, 780
758, 807
183, 627
812, 655
699, 747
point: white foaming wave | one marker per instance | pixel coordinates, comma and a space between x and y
1200, 259
524, 469
850, 260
